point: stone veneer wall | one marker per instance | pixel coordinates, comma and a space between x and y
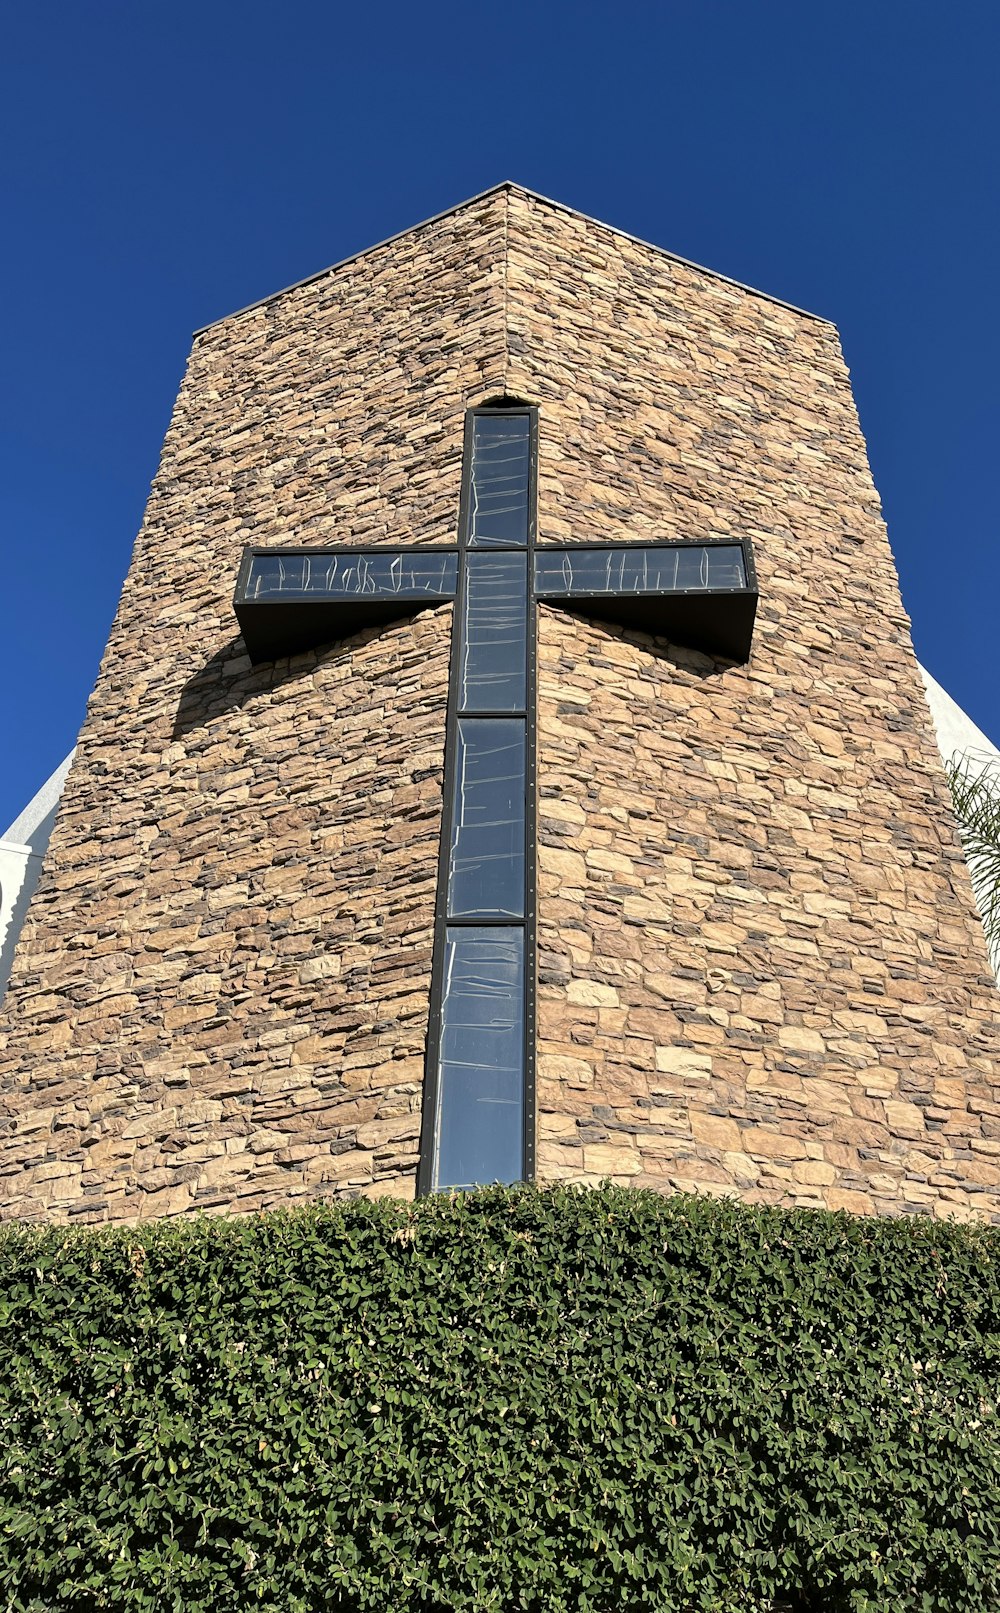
761, 970
220, 996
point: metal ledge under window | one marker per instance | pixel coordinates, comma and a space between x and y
291, 600
702, 596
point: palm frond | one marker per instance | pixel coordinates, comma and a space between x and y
975, 791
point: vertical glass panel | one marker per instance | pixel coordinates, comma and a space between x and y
494, 645
481, 1062
498, 482
688, 568
486, 861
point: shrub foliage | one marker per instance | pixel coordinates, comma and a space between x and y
547, 1401
975, 792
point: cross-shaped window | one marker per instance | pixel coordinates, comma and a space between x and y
479, 1085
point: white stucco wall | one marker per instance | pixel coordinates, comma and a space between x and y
957, 734
22, 849
960, 740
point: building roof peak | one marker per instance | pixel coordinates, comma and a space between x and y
509, 185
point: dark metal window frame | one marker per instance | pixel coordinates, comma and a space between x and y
285, 624
310, 551
717, 621
266, 551
281, 625
442, 923
616, 545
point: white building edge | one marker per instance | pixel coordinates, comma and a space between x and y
22, 848
957, 734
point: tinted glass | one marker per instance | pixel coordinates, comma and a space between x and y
486, 862
498, 481
481, 1065
688, 569
494, 637
346, 575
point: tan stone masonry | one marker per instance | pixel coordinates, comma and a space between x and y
760, 967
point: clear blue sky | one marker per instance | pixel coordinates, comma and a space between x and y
165, 164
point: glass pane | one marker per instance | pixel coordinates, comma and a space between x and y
498, 484
481, 1065
486, 863
494, 650
348, 574
690, 568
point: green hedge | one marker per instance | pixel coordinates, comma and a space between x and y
567, 1400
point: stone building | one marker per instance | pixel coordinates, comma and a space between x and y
563, 801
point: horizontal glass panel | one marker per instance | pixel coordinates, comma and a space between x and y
481, 1061
486, 861
690, 568
498, 480
494, 650
350, 574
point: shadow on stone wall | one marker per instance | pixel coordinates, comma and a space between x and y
695, 662
224, 683
228, 680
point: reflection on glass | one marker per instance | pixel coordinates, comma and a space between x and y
481, 1061
346, 575
690, 568
486, 861
494, 633
498, 484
